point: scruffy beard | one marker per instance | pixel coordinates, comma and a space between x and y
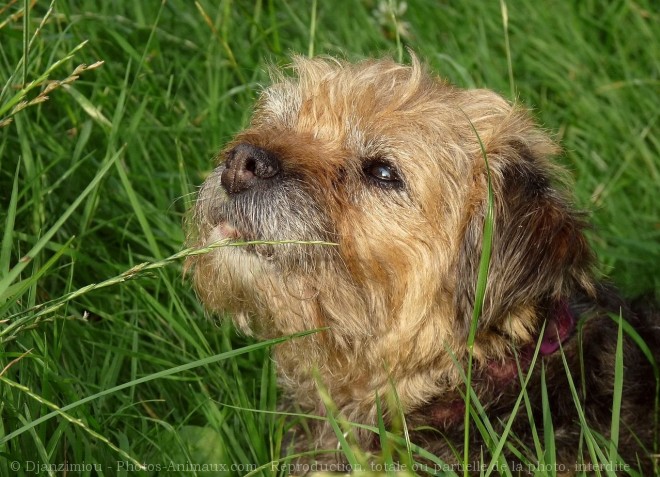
285, 213
258, 279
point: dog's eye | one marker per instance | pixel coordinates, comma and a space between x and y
382, 174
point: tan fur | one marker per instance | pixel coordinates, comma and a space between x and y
397, 291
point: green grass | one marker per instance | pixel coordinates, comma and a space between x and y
95, 180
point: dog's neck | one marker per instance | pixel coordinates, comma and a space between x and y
502, 374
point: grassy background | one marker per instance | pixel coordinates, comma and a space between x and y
96, 179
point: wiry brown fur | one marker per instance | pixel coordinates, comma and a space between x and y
398, 290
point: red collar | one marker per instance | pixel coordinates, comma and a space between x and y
557, 329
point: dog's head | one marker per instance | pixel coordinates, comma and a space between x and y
386, 162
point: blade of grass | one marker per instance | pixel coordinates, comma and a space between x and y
507, 429
507, 46
595, 452
648, 354
392, 10
639, 341
477, 412
312, 30
536, 440
385, 443
550, 454
480, 292
136, 203
26, 42
617, 392
404, 425
7, 236
331, 410
92, 111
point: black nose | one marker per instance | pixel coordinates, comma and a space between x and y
246, 166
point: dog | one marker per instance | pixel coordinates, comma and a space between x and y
399, 173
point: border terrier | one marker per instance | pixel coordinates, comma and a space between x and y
387, 162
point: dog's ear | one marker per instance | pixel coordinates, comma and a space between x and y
539, 252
